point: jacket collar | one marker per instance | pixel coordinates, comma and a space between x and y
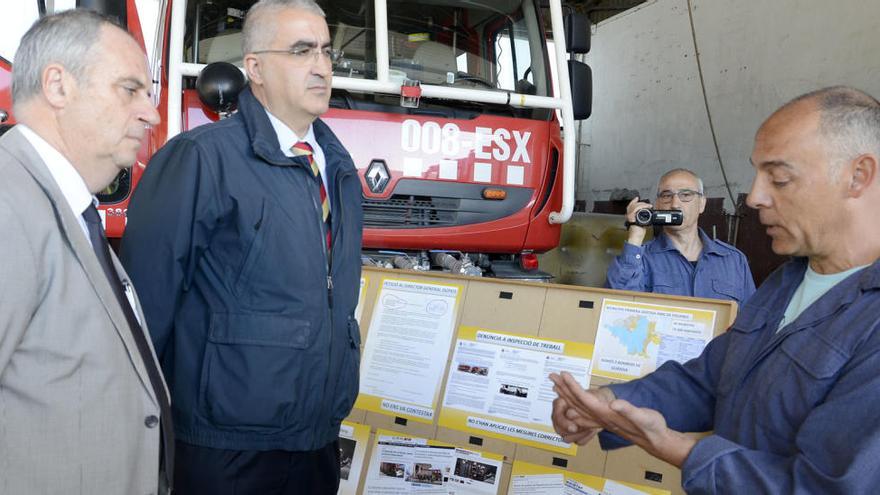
766, 307
265, 142
262, 136
861, 281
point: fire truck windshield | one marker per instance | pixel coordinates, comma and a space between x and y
496, 45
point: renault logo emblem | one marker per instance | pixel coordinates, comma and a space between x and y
377, 176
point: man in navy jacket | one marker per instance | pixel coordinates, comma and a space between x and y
792, 389
244, 240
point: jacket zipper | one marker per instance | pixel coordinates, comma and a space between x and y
334, 239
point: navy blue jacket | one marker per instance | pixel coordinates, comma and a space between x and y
252, 322
722, 271
792, 412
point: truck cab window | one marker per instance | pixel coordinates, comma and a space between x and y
495, 46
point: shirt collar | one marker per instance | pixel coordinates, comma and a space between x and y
71, 183
710, 246
286, 136
868, 278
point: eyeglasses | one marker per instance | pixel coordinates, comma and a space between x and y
303, 56
685, 195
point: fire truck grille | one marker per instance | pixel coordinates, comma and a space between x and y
405, 212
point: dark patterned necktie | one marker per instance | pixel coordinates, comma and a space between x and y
102, 251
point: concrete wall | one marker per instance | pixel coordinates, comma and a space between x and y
648, 109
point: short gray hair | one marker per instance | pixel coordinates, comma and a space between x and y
849, 119
66, 38
257, 32
681, 171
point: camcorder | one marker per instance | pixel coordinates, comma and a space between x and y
649, 216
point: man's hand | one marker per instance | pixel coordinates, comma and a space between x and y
579, 414
636, 233
569, 422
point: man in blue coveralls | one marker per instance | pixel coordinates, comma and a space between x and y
791, 389
682, 260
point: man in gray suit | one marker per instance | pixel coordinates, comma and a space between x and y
81, 398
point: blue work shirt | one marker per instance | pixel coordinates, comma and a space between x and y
722, 271
796, 411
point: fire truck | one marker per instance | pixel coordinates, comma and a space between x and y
465, 152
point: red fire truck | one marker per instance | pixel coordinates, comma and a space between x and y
465, 153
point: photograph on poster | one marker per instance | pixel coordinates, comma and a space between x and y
353, 440
346, 455
392, 469
514, 390
476, 471
422, 472
473, 369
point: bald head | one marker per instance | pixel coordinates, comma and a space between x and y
815, 187
682, 171
847, 119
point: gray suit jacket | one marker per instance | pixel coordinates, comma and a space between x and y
74, 392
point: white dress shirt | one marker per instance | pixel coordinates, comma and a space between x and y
287, 138
72, 185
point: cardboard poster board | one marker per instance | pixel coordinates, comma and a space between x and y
527, 314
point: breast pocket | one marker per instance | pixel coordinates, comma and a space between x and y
258, 373
285, 260
726, 290
796, 378
663, 282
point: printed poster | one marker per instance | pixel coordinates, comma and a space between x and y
401, 465
532, 479
634, 338
407, 348
499, 385
353, 439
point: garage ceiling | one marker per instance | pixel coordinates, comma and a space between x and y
599, 10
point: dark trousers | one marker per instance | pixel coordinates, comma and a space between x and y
206, 471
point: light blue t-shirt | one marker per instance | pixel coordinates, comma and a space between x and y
813, 286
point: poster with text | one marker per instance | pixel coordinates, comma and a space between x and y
353, 439
499, 385
401, 465
532, 479
634, 338
407, 348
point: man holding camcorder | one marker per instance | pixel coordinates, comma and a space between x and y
682, 260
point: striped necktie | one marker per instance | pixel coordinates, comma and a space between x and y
303, 148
